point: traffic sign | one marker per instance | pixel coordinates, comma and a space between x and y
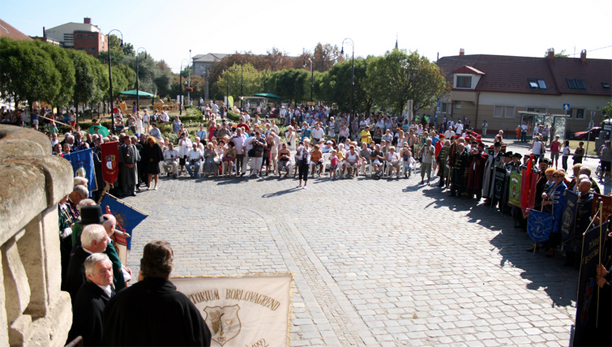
566, 107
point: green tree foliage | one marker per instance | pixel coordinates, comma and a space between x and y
85, 76
607, 110
28, 72
335, 86
292, 84
239, 77
63, 64
397, 77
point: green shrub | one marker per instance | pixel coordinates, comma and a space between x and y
233, 116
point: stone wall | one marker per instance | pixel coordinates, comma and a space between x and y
33, 309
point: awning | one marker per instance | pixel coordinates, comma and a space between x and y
269, 96
141, 93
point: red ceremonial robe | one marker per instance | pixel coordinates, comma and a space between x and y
476, 172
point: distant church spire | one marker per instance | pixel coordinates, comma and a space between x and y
396, 41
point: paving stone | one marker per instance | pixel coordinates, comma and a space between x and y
428, 270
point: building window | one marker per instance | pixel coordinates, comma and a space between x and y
503, 111
444, 107
91, 36
606, 85
80, 36
464, 81
81, 49
570, 112
575, 84
580, 113
537, 109
536, 83
91, 49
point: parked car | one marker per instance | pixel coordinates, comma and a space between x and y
582, 135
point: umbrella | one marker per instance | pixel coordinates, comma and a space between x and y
140, 93
102, 130
269, 96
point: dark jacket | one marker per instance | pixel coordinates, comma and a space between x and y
87, 315
75, 275
153, 313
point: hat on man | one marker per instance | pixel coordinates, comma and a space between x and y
508, 154
497, 144
441, 136
517, 155
91, 215
329, 142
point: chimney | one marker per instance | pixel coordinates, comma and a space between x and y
583, 57
461, 51
551, 53
44, 32
87, 20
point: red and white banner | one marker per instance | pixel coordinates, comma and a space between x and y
110, 161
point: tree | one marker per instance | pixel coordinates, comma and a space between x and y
291, 84
85, 77
63, 64
607, 110
234, 78
27, 73
335, 86
325, 56
397, 77
561, 54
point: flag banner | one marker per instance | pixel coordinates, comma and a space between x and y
127, 217
586, 305
607, 205
514, 189
539, 225
83, 166
109, 155
252, 310
568, 220
499, 178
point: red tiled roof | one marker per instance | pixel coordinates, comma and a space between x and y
510, 74
6, 30
468, 70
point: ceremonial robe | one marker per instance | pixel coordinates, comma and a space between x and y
75, 275
493, 161
128, 156
87, 315
153, 313
476, 168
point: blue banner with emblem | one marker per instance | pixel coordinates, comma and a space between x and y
539, 225
83, 166
127, 216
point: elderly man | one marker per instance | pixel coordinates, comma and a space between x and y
79, 192
152, 312
171, 157
91, 299
122, 274
93, 240
194, 158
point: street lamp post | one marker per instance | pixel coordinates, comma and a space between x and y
227, 92
189, 83
311, 76
181, 87
110, 76
241, 85
138, 80
352, 73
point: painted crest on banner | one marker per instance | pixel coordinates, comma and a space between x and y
110, 161
223, 322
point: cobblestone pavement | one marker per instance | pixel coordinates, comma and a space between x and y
376, 263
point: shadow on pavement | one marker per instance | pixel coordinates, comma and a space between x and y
280, 193
538, 272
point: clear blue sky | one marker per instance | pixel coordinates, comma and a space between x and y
169, 29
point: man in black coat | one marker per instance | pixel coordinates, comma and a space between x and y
152, 312
93, 240
91, 299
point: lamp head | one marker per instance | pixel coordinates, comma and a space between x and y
121, 43
342, 50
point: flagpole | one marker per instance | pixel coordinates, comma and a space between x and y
56, 121
599, 263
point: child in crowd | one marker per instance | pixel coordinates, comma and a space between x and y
333, 159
